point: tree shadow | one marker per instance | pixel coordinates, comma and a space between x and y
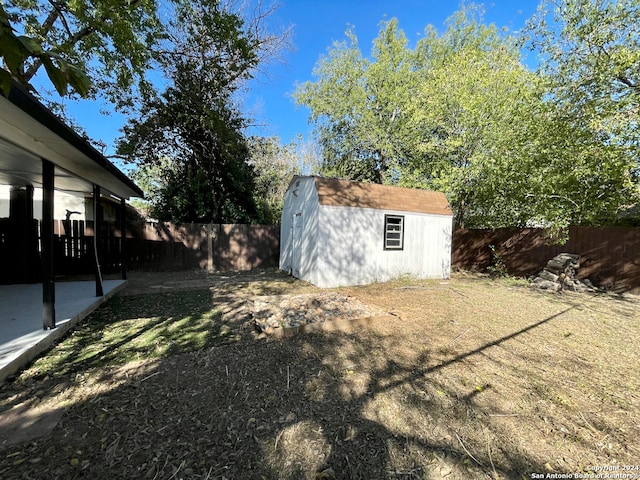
357, 420
331, 405
123, 329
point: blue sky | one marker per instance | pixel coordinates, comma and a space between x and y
316, 25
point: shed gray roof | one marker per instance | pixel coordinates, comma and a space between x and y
338, 192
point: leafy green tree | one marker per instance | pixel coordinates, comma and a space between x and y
192, 134
460, 113
427, 117
199, 156
362, 107
274, 165
192, 140
503, 152
589, 57
474, 107
589, 54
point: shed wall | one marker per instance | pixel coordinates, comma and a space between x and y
299, 229
350, 247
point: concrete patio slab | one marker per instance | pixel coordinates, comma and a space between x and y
22, 337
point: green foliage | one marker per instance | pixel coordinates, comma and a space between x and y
590, 52
98, 47
274, 166
193, 156
16, 50
460, 113
360, 107
188, 142
475, 111
497, 268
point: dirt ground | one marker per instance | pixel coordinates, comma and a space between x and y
470, 378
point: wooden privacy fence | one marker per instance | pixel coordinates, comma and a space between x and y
610, 256
164, 246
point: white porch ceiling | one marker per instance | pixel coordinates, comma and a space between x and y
25, 140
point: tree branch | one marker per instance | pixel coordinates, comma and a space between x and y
73, 38
56, 6
627, 82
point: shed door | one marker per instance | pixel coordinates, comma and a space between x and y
296, 254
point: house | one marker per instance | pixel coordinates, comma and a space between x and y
38, 152
339, 233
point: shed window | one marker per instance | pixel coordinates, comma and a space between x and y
393, 232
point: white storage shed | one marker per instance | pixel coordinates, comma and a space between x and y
339, 233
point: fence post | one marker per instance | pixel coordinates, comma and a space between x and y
209, 247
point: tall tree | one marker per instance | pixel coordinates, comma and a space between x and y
361, 107
589, 59
461, 113
590, 55
427, 117
193, 132
194, 143
474, 107
274, 165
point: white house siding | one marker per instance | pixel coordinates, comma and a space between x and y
4, 201
350, 247
299, 257
62, 202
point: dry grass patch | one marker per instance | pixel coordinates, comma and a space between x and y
475, 379
541, 381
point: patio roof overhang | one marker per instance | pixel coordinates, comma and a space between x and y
39, 150
29, 132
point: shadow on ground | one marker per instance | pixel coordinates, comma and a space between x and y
348, 405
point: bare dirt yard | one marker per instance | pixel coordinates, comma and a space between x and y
467, 378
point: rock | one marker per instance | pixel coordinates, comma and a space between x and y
563, 263
547, 285
561, 273
546, 275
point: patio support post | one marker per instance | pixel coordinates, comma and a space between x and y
46, 235
97, 226
123, 238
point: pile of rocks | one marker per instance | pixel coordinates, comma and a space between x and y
274, 312
560, 273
